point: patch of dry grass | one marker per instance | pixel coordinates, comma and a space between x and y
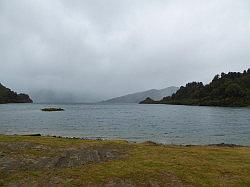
142, 164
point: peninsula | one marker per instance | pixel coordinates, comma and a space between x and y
231, 89
9, 96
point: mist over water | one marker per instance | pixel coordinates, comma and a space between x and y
88, 50
161, 123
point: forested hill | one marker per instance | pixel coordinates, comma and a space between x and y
232, 89
8, 96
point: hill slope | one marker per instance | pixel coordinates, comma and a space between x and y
8, 96
232, 89
139, 96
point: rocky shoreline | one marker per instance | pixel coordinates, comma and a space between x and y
146, 142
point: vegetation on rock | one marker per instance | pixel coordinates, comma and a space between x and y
8, 96
51, 109
232, 89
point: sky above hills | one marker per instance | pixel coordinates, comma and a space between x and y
108, 48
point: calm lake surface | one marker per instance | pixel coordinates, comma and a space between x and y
161, 123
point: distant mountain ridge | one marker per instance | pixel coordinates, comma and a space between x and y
9, 96
139, 96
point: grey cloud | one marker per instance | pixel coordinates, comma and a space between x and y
113, 47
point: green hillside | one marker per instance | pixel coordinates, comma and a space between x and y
231, 89
8, 96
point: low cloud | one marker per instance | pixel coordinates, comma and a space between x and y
108, 48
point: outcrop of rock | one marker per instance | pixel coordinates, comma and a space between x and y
52, 109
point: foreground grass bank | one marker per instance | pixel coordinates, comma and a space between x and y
49, 161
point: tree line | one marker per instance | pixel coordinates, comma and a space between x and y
231, 89
9, 96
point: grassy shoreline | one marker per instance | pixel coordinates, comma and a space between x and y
53, 161
222, 144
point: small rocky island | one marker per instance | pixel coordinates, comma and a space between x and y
9, 96
52, 109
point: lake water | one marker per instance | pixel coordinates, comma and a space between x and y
160, 123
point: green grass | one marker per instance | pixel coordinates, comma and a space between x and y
195, 165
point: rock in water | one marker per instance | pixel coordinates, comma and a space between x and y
51, 109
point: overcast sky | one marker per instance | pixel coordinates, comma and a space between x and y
113, 47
